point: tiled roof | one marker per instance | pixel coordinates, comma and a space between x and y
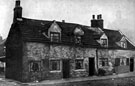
32, 30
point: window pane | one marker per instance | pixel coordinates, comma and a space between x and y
79, 64
103, 62
104, 42
55, 65
55, 37
78, 39
35, 66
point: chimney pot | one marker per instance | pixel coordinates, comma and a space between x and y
93, 16
98, 16
17, 3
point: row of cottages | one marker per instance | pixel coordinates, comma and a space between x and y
45, 50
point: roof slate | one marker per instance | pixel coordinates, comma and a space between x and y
32, 30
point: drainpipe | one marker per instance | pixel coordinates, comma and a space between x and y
97, 60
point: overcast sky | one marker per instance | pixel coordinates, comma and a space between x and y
117, 14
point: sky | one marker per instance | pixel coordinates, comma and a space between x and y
117, 14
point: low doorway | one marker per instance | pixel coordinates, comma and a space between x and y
91, 66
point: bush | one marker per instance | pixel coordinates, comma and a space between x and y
101, 72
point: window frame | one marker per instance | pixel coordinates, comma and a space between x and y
56, 37
57, 69
78, 39
101, 60
104, 42
31, 64
82, 67
123, 44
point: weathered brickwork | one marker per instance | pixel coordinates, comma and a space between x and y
44, 52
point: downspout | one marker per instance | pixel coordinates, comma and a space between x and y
97, 60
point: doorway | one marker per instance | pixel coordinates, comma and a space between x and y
91, 66
66, 68
131, 64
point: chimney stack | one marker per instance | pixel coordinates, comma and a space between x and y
97, 22
17, 11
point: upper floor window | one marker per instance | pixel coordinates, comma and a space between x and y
54, 32
78, 39
123, 44
55, 36
104, 42
78, 32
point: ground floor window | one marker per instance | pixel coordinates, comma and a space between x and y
121, 61
103, 62
54, 65
35, 66
79, 64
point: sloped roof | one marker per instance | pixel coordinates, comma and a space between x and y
32, 30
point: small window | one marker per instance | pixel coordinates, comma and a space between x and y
55, 65
35, 66
78, 39
123, 61
123, 44
103, 62
79, 64
55, 36
117, 61
104, 42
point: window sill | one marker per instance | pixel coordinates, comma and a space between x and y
80, 70
55, 71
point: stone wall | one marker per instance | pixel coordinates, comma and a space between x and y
111, 55
44, 52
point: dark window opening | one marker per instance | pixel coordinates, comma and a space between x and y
78, 39
79, 64
104, 42
54, 65
35, 66
123, 44
103, 61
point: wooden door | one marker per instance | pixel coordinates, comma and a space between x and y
131, 64
91, 66
66, 68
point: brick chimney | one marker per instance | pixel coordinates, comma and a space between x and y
97, 22
17, 11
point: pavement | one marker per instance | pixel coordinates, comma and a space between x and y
83, 79
111, 80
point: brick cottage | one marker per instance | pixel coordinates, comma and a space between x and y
45, 50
